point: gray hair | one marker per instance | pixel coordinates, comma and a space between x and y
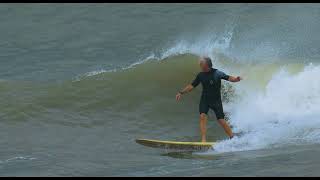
208, 61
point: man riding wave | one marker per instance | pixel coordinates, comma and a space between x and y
210, 80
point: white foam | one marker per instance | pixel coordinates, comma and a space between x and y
20, 158
288, 112
93, 73
97, 72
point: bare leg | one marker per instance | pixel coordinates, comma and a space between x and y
203, 127
226, 127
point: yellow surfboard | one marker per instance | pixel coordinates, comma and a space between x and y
174, 145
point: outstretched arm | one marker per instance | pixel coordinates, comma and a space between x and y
234, 79
187, 89
226, 77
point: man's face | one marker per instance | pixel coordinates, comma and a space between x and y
203, 65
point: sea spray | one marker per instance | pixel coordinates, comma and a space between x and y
287, 112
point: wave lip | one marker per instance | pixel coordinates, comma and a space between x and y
208, 44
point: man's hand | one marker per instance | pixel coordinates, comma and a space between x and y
187, 89
235, 79
178, 96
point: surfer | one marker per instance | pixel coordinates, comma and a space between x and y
210, 79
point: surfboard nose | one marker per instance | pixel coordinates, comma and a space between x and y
175, 145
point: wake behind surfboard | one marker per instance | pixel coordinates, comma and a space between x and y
174, 145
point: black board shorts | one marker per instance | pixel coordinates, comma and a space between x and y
216, 106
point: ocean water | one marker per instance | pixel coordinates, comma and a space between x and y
80, 82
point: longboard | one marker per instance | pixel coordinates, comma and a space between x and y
174, 145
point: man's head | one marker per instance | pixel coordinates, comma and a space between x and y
205, 64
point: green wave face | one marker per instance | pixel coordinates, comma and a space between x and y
148, 88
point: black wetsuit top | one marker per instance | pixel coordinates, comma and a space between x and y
211, 92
